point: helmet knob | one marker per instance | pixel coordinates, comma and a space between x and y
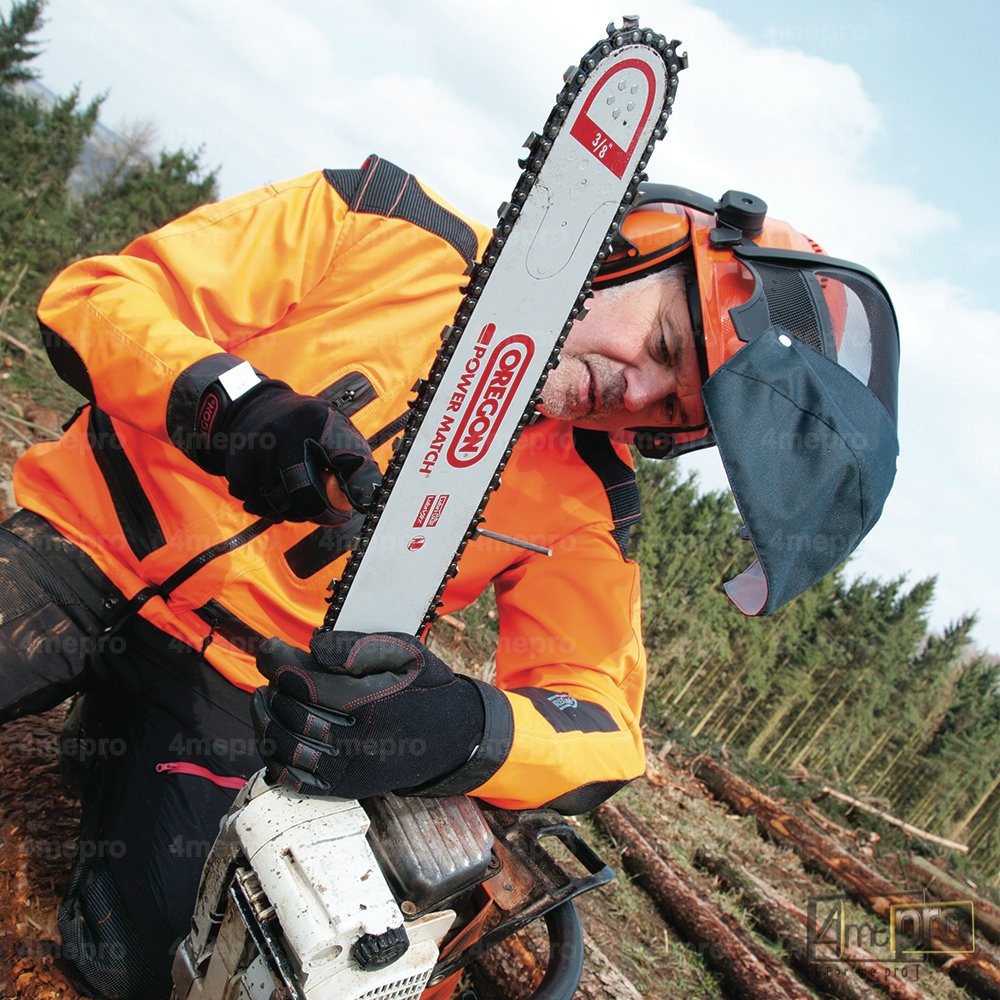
742, 211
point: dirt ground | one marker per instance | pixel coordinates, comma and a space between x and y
38, 823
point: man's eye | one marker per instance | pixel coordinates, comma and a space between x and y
664, 352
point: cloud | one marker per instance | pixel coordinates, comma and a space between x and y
935, 522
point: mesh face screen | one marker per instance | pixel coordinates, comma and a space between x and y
841, 314
790, 303
867, 338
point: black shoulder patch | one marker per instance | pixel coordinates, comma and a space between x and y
382, 188
596, 449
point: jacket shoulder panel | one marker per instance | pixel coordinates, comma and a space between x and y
381, 188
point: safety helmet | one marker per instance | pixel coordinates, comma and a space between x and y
799, 353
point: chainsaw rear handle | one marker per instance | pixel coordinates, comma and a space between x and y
562, 976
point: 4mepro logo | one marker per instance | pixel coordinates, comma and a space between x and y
496, 384
913, 927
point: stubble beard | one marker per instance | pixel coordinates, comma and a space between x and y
560, 394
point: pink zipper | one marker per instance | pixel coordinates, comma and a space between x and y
182, 767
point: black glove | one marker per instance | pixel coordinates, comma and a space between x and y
273, 444
363, 714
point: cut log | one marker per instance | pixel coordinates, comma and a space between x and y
972, 965
602, 980
908, 828
513, 969
784, 922
748, 970
942, 885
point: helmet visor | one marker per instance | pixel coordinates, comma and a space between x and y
804, 416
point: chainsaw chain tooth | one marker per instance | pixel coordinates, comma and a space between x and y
538, 145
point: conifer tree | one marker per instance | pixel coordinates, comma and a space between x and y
44, 224
39, 147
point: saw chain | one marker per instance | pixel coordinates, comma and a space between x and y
580, 175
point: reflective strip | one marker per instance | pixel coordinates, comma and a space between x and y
239, 381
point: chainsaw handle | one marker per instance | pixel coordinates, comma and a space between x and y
562, 976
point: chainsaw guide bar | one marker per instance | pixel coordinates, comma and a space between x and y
580, 175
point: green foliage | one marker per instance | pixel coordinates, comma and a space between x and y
140, 199
45, 221
16, 49
38, 149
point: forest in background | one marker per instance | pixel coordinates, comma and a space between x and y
846, 684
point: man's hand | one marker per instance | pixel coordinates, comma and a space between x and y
362, 714
278, 449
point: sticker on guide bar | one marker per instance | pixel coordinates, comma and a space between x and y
431, 509
614, 114
438, 510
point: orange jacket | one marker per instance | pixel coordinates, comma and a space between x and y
337, 282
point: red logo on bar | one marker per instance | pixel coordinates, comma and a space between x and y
495, 388
438, 510
425, 508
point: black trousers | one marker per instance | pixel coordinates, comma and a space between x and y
166, 740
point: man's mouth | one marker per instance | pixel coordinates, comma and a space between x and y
589, 393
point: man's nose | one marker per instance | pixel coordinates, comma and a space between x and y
648, 384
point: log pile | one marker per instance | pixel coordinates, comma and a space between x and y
747, 969
971, 965
782, 921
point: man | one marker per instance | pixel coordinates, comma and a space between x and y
265, 348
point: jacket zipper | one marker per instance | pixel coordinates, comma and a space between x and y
183, 767
135, 512
350, 393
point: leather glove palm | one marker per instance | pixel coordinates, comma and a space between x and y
362, 714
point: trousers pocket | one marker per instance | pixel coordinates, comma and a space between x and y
100, 940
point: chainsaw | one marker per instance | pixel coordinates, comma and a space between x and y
390, 898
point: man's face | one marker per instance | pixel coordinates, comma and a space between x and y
630, 362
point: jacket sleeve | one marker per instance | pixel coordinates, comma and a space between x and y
563, 721
122, 329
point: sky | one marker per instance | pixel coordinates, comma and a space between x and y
873, 127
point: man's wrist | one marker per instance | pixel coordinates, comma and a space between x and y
200, 401
488, 756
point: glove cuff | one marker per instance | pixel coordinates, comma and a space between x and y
199, 405
489, 755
